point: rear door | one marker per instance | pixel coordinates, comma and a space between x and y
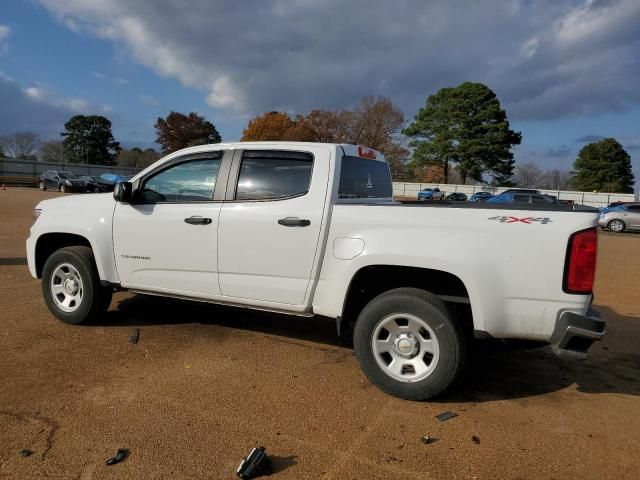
270, 224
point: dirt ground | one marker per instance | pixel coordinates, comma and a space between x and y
205, 384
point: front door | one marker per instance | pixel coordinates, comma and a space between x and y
167, 240
270, 226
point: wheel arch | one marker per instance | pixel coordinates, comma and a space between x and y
50, 242
372, 280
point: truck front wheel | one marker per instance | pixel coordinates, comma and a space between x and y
71, 285
408, 344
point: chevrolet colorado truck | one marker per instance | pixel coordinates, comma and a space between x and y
312, 229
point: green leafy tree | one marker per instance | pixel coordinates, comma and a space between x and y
88, 139
137, 158
180, 131
465, 125
604, 166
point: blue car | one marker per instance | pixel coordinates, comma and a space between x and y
510, 197
480, 196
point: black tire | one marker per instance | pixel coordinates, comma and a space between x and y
42, 186
96, 189
433, 311
95, 298
616, 229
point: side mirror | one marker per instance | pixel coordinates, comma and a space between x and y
123, 192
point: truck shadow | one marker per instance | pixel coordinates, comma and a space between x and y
500, 371
145, 310
496, 370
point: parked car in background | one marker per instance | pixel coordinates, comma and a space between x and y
107, 182
523, 198
431, 194
480, 196
521, 190
92, 184
620, 218
62, 181
457, 197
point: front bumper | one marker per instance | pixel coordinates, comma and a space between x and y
574, 334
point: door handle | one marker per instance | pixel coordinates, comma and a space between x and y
294, 222
197, 220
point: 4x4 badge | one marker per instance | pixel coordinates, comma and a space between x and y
527, 220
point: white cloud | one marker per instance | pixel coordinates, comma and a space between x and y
99, 75
539, 57
75, 104
5, 31
149, 100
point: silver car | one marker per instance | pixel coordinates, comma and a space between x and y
620, 218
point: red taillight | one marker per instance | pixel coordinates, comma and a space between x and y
365, 152
580, 269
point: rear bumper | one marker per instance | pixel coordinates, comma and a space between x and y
574, 334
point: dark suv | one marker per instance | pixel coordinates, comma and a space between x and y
62, 181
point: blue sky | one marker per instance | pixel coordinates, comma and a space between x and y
566, 71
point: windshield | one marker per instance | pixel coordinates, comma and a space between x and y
66, 175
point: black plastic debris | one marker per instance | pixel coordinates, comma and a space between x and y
135, 336
444, 416
120, 455
256, 464
25, 452
475, 439
426, 439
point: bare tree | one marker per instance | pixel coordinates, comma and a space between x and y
555, 180
375, 122
52, 152
527, 175
20, 144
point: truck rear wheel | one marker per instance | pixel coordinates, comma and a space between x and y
71, 285
408, 345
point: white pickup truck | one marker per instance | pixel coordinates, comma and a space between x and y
312, 229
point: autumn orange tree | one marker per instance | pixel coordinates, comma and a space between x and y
270, 126
375, 123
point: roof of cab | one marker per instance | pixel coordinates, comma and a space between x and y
349, 149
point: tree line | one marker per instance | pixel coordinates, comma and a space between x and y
461, 134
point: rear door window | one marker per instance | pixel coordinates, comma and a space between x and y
274, 175
364, 178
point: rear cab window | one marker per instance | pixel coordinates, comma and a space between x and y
364, 178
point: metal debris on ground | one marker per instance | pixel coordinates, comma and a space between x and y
476, 439
120, 455
426, 439
25, 452
444, 416
256, 464
135, 336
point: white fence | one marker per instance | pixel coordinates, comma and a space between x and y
401, 189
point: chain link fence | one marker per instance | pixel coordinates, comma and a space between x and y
26, 172
599, 199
